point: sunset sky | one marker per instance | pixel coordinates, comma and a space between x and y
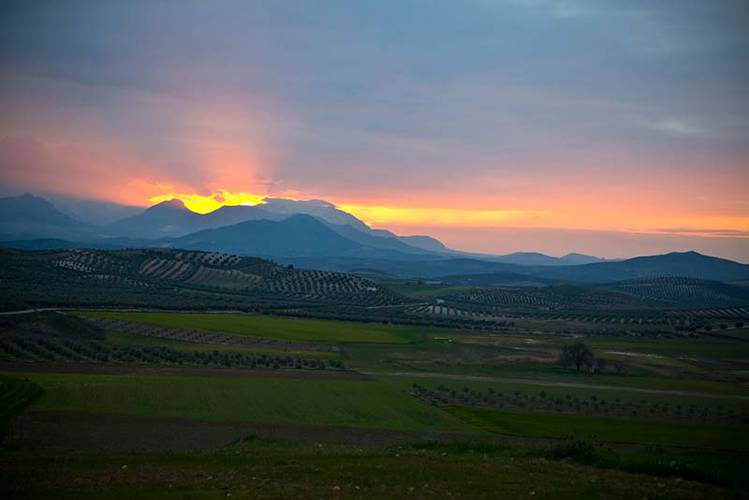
612, 128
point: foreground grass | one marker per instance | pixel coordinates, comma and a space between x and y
610, 430
261, 469
344, 403
271, 327
15, 395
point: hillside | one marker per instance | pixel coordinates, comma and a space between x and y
173, 279
29, 216
463, 270
687, 264
684, 292
297, 236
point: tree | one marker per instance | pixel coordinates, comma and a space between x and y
600, 364
578, 355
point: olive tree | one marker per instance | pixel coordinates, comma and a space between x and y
578, 355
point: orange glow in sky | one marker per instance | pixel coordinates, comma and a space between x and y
205, 204
562, 216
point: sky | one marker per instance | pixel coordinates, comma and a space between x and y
612, 128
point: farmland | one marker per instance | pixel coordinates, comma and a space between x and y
441, 391
336, 403
268, 327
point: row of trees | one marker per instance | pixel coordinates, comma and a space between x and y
37, 348
591, 405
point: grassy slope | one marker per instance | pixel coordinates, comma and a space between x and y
345, 403
293, 329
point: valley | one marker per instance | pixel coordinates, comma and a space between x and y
175, 354
152, 364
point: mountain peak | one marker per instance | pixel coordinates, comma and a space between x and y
173, 204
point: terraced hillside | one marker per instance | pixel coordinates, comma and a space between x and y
174, 279
680, 292
678, 301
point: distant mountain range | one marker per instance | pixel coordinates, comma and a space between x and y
316, 234
29, 217
485, 273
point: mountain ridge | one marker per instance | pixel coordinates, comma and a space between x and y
311, 240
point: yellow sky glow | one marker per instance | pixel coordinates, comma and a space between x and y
574, 218
204, 204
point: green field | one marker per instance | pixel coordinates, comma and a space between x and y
609, 430
344, 403
124, 339
511, 442
554, 389
15, 395
272, 327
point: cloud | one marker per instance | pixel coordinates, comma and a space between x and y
604, 114
679, 127
707, 232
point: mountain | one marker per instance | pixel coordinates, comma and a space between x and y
166, 219
528, 259
29, 217
316, 208
686, 264
93, 212
574, 259
173, 219
689, 264
298, 235
229, 215
377, 238
425, 243
316, 234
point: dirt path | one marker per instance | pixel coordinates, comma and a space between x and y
545, 383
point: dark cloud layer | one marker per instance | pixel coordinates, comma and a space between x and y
492, 102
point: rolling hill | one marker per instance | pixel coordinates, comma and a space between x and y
176, 279
687, 264
461, 270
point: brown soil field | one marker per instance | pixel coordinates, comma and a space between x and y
82, 431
